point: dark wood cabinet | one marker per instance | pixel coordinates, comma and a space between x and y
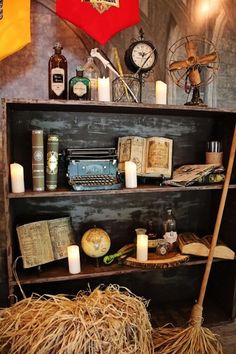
119, 212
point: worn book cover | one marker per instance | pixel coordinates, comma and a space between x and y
44, 241
153, 156
186, 175
190, 243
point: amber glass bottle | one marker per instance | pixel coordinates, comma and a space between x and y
57, 74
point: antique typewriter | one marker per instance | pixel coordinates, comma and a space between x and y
92, 169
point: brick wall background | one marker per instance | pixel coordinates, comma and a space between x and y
24, 74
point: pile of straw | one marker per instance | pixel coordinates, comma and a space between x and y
109, 321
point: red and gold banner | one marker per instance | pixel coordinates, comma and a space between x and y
14, 26
101, 19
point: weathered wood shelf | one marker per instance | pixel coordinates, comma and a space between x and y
64, 192
56, 273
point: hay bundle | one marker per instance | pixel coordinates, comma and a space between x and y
110, 321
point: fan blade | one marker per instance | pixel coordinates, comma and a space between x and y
194, 77
177, 65
191, 49
207, 58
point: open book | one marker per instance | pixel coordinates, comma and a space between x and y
44, 241
153, 156
190, 243
187, 175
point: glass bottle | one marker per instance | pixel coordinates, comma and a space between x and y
152, 236
91, 71
169, 226
79, 86
57, 74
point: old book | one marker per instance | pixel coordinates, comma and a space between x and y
52, 162
153, 156
37, 160
190, 243
44, 241
187, 175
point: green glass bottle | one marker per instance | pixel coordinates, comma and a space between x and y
79, 86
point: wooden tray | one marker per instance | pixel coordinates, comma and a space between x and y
171, 260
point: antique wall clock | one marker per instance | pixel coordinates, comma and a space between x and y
140, 58
141, 55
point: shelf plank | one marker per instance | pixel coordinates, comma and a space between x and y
60, 192
56, 273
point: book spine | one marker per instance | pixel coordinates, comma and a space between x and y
52, 162
37, 161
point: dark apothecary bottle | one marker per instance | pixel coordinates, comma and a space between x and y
169, 226
152, 236
91, 71
79, 86
57, 74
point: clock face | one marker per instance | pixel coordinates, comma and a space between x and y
143, 55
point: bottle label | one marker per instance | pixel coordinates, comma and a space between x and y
171, 236
152, 243
79, 89
94, 83
58, 80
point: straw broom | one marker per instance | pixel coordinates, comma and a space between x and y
196, 339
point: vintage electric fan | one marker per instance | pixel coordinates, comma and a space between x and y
193, 62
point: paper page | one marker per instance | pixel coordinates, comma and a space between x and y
159, 156
35, 244
62, 235
131, 148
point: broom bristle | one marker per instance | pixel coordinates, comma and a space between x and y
189, 340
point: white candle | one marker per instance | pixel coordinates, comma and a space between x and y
142, 248
74, 259
17, 178
130, 174
161, 92
104, 89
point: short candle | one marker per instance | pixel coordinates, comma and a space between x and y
130, 174
104, 89
161, 92
17, 178
74, 259
142, 248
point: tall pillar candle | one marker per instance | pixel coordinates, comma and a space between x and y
74, 259
17, 178
104, 89
130, 174
142, 248
161, 92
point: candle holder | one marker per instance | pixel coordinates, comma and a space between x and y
120, 93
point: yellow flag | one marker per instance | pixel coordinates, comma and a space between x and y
14, 26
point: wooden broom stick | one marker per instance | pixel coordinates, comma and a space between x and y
218, 221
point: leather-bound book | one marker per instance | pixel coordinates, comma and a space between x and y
52, 162
38, 179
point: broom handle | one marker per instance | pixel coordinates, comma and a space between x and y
218, 220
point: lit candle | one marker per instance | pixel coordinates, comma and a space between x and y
142, 248
161, 92
104, 89
17, 178
74, 259
130, 174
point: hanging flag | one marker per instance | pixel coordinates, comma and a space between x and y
14, 26
99, 18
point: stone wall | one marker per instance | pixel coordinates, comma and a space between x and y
24, 74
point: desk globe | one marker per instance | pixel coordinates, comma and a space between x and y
95, 242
